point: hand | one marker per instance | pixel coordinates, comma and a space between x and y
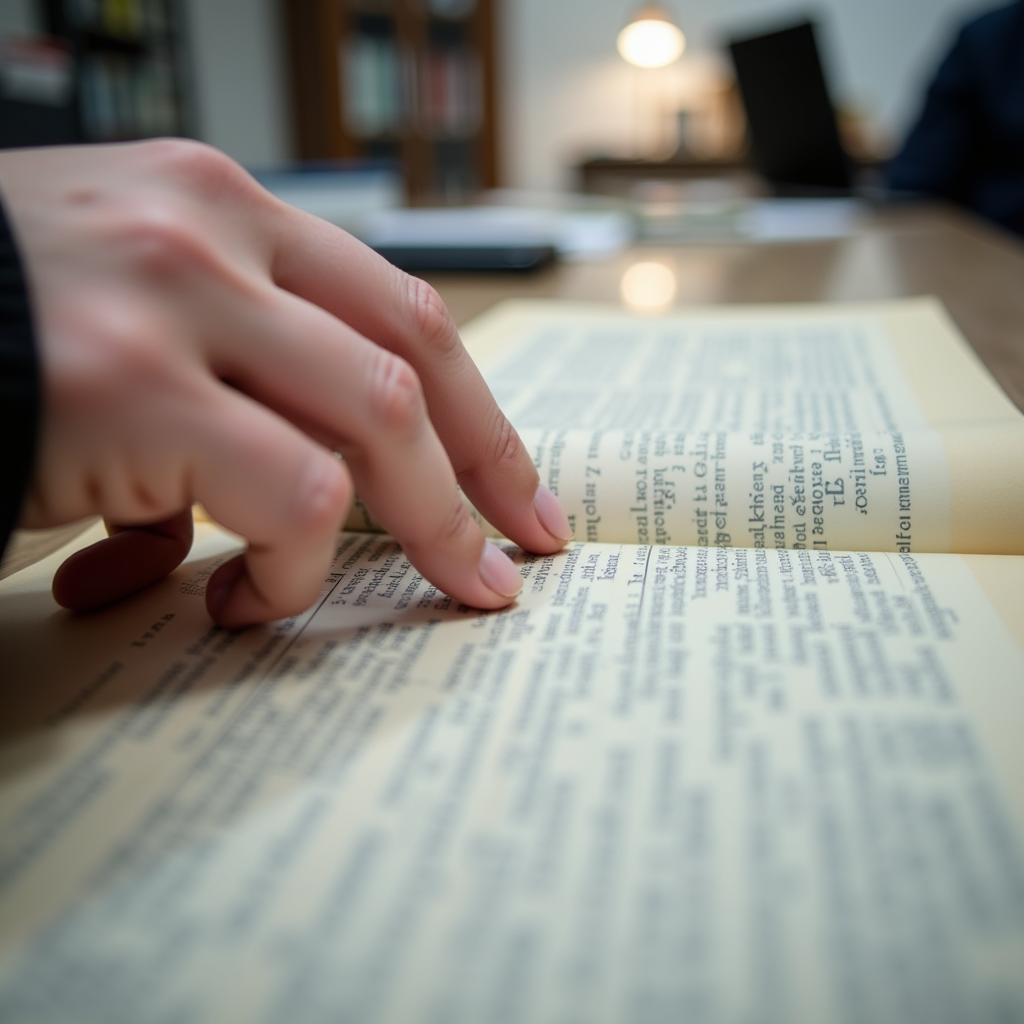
203, 341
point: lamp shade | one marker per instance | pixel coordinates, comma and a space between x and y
651, 39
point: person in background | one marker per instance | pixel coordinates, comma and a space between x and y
967, 145
171, 333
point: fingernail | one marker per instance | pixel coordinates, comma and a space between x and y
498, 571
551, 514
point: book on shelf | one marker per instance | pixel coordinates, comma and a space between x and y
450, 93
128, 19
451, 8
126, 77
748, 749
123, 99
385, 89
372, 84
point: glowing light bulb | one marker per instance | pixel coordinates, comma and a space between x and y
651, 40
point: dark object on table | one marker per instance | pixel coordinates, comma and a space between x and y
474, 258
968, 143
791, 123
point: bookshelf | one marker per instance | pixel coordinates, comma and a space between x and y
128, 77
410, 82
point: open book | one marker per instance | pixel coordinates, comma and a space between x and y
748, 751
866, 428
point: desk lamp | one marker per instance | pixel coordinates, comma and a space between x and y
651, 40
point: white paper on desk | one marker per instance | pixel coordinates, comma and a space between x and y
781, 220
574, 233
751, 220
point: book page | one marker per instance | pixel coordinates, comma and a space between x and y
874, 492
869, 426
670, 783
799, 368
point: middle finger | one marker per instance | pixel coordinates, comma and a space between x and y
306, 364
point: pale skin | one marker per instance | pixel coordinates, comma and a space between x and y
201, 341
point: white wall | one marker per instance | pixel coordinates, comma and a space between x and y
240, 88
566, 93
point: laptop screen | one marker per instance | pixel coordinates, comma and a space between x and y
793, 134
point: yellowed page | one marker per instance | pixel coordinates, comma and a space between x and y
670, 784
752, 490
872, 365
870, 426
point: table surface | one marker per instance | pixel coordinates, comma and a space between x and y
976, 271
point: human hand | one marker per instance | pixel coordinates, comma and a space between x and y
202, 341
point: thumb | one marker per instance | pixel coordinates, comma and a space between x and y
131, 558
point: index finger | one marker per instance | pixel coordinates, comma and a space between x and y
327, 266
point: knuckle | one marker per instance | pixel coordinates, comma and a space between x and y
505, 445
197, 163
117, 356
110, 351
454, 527
326, 496
397, 396
210, 177
155, 481
432, 323
161, 241
134, 357
148, 502
117, 493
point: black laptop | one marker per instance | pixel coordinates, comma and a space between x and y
791, 122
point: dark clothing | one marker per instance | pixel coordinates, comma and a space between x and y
20, 386
968, 143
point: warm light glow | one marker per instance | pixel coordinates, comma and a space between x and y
648, 287
651, 41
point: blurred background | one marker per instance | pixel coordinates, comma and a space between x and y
537, 86
435, 101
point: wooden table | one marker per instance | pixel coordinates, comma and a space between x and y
617, 176
622, 176
976, 271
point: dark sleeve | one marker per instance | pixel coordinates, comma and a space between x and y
933, 160
20, 398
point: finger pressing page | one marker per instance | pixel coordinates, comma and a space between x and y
130, 559
321, 263
263, 479
371, 403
